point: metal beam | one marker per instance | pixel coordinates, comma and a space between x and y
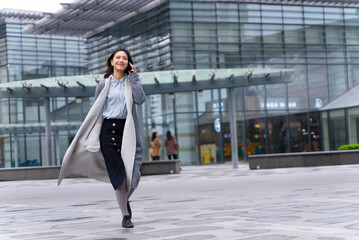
81, 85
44, 87
155, 88
205, 85
51, 92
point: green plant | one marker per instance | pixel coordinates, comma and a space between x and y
349, 147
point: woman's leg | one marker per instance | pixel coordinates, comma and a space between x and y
169, 157
130, 193
175, 156
121, 196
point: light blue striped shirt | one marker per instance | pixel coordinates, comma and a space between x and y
115, 104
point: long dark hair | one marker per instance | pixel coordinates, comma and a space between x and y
109, 70
169, 135
153, 136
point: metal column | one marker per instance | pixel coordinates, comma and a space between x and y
57, 149
16, 151
244, 132
233, 126
221, 142
175, 116
197, 129
48, 130
145, 134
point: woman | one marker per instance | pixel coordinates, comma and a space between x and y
155, 145
108, 146
171, 146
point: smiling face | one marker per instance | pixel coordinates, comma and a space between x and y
120, 61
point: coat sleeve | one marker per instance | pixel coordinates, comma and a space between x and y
138, 94
99, 88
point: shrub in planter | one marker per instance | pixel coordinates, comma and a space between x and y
349, 147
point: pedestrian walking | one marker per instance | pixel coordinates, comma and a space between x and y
171, 146
155, 147
108, 146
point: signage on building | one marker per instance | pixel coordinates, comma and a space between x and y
217, 125
215, 107
278, 104
318, 103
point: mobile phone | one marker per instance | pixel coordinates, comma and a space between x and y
129, 68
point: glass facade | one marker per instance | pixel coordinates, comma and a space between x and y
146, 36
26, 56
25, 143
280, 118
320, 42
23, 57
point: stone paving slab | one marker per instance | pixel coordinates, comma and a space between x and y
202, 202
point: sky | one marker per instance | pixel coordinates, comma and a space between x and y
34, 5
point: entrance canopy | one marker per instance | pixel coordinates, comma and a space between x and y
153, 82
347, 100
88, 17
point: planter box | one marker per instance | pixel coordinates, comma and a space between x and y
303, 159
38, 173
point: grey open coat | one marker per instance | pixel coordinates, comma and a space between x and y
84, 156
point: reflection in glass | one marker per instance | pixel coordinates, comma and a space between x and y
249, 13
353, 125
315, 131
318, 85
298, 133
337, 80
293, 34
353, 75
337, 129
255, 136
277, 130
293, 14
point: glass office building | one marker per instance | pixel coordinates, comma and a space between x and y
320, 40
29, 56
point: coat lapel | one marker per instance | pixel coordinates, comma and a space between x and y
92, 142
128, 149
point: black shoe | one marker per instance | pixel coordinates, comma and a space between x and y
126, 222
129, 209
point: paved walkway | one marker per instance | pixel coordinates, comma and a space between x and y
202, 202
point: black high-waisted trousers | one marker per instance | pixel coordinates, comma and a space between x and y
111, 142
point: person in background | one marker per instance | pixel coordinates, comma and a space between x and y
171, 146
155, 147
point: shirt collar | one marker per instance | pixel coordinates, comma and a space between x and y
115, 81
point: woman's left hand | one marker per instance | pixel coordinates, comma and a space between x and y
133, 68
